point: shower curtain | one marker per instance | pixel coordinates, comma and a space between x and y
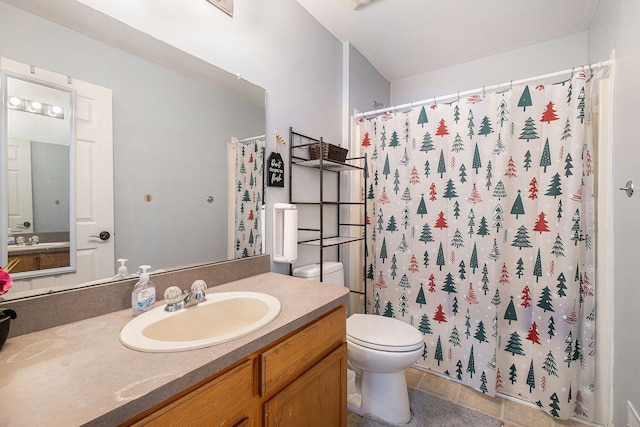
482, 237
249, 187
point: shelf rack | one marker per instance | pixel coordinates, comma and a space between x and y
299, 157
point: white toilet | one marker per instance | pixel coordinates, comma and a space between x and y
379, 350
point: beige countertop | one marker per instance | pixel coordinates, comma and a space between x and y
80, 374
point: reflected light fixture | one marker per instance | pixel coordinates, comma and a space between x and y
35, 107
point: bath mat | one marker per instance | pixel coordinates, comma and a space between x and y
431, 411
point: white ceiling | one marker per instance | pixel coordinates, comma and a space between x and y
403, 38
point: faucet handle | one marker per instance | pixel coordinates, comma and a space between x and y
173, 294
198, 286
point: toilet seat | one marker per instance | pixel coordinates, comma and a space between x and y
383, 333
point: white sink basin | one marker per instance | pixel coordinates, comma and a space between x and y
223, 317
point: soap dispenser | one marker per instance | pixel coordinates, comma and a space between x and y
122, 270
143, 296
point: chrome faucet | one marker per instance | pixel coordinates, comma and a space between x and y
176, 300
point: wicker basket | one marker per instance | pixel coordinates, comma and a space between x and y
329, 152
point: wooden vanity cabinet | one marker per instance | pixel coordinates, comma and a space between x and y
40, 261
299, 380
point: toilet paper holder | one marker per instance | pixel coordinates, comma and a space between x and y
285, 233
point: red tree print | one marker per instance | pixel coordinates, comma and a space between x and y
442, 129
441, 222
474, 197
432, 191
533, 188
384, 198
380, 282
511, 168
526, 297
471, 296
504, 275
549, 114
413, 264
439, 315
366, 141
432, 283
541, 223
415, 176
533, 335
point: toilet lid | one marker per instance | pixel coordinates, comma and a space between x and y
383, 333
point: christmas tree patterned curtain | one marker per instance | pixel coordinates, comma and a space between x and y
482, 237
249, 197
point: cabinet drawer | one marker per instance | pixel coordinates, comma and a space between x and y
224, 400
288, 359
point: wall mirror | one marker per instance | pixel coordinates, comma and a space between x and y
174, 117
38, 145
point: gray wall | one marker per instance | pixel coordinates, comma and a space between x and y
50, 182
276, 45
170, 136
615, 27
555, 55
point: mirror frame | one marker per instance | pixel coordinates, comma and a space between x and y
4, 214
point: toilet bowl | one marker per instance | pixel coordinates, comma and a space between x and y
379, 350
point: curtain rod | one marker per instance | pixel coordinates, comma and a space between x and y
600, 64
253, 138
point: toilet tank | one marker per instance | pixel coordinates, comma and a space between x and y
332, 272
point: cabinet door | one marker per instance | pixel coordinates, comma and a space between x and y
318, 398
227, 400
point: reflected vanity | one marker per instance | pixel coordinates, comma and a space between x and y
39, 179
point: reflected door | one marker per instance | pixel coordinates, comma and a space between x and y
20, 205
94, 184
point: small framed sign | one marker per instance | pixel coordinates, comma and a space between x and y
225, 5
275, 170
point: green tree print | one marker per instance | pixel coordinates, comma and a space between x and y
422, 117
531, 381
545, 159
555, 188
510, 313
529, 130
421, 299
522, 238
425, 325
388, 311
477, 163
485, 127
525, 99
514, 345
427, 143
545, 300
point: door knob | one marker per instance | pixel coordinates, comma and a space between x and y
104, 235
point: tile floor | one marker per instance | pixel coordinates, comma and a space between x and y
511, 413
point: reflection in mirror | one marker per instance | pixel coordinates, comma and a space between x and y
246, 182
173, 116
39, 135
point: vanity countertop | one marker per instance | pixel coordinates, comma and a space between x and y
80, 373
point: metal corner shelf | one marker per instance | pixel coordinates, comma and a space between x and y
299, 156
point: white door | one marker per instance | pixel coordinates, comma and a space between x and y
94, 184
93, 151
20, 205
